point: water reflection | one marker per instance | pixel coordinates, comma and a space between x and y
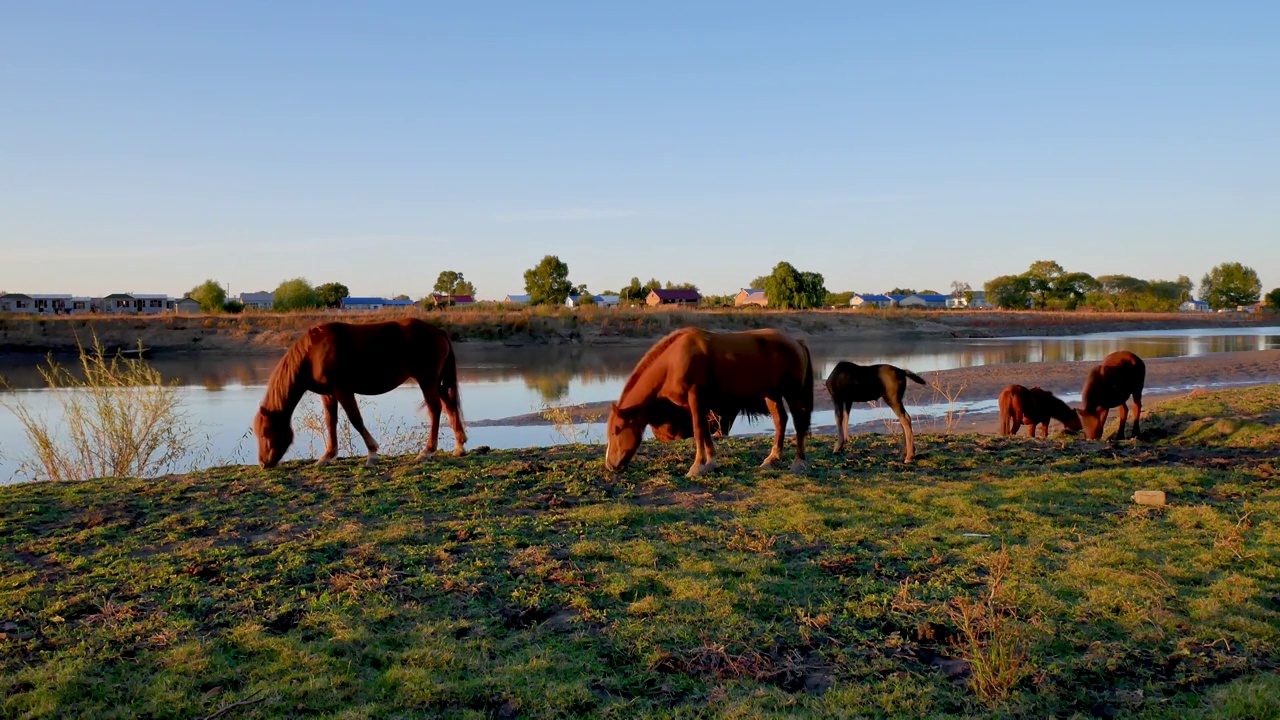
552, 373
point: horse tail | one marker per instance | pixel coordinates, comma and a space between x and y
807, 383
1006, 412
448, 385
916, 378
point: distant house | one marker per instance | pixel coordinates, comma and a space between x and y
261, 300
750, 296
601, 300
673, 297
1195, 306
16, 303
187, 306
518, 299
921, 300
372, 303
137, 303
977, 301
861, 300
46, 304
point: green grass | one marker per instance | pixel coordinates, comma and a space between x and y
533, 584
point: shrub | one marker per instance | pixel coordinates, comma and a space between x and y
119, 420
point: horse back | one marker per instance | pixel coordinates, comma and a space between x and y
1118, 377
747, 365
374, 358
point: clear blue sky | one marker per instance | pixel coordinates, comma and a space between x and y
148, 146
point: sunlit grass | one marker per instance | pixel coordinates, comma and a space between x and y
994, 576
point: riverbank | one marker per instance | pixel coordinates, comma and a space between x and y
272, 332
532, 583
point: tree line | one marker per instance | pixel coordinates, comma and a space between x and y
1045, 285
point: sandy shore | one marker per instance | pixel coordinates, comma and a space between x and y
1165, 377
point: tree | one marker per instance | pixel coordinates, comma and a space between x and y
330, 294
633, 292
1009, 291
1273, 299
450, 282
789, 288
1041, 277
233, 306
295, 294
901, 291
1229, 285
681, 286
960, 289
211, 296
839, 299
758, 283
547, 283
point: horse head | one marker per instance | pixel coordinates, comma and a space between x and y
275, 434
1092, 421
625, 431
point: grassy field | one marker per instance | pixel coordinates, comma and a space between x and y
996, 577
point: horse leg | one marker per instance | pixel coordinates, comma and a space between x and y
431, 398
353, 414
800, 416
894, 401
779, 414
1124, 417
1137, 412
331, 429
842, 424
703, 453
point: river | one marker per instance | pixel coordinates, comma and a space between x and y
220, 393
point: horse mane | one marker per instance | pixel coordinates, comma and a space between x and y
285, 374
651, 357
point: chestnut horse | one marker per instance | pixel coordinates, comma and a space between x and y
1111, 384
849, 383
1034, 406
693, 372
338, 361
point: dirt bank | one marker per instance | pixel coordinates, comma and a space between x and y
1165, 376
269, 332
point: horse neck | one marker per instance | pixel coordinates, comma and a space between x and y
286, 386
1059, 410
643, 390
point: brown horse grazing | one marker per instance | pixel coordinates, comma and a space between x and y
694, 372
850, 383
341, 360
1034, 406
1111, 384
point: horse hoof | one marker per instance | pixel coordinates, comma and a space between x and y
459, 452
769, 463
323, 461
373, 460
695, 471
839, 448
425, 455
797, 467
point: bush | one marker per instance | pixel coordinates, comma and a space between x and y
119, 420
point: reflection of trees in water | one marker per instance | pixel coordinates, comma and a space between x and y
551, 387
